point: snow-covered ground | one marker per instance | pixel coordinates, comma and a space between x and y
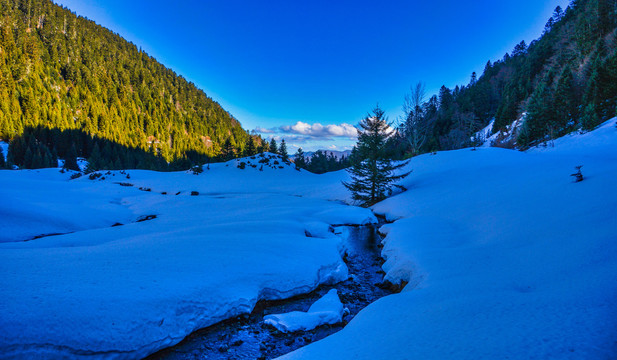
485, 138
127, 291
505, 255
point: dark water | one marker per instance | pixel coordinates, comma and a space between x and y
246, 337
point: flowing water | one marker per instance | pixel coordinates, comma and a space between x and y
246, 337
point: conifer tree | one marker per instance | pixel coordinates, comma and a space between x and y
590, 117
283, 151
299, 159
539, 114
2, 161
95, 160
28, 158
564, 104
373, 176
249, 148
273, 147
228, 151
70, 160
54, 158
263, 147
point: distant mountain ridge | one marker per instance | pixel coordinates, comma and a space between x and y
336, 153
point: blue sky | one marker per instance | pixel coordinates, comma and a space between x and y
306, 70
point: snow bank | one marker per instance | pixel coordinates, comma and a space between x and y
505, 255
483, 136
40, 202
327, 310
126, 291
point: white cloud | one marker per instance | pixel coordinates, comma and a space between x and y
320, 131
264, 130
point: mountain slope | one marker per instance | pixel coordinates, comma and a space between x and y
565, 80
63, 71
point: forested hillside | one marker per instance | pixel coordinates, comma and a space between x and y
565, 80
64, 72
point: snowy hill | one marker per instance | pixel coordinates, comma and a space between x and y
505, 257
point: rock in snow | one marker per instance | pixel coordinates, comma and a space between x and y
328, 310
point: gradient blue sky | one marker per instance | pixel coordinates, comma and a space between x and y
273, 64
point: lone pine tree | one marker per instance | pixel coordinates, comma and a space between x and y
373, 176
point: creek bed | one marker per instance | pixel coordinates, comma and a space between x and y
246, 337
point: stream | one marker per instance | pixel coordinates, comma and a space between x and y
246, 337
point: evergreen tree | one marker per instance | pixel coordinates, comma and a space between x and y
564, 104
273, 147
2, 161
70, 160
249, 148
520, 49
590, 118
319, 163
373, 176
539, 115
263, 147
54, 158
95, 159
474, 79
283, 151
228, 151
299, 159
28, 158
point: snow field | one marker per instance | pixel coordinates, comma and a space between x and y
126, 291
506, 257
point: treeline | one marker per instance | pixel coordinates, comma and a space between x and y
320, 162
64, 72
41, 147
564, 81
